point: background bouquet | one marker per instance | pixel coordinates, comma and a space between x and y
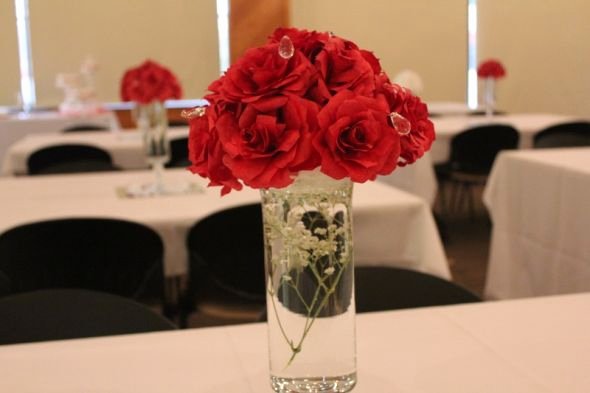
491, 68
149, 82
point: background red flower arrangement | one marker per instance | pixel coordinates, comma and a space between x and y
149, 82
491, 68
302, 101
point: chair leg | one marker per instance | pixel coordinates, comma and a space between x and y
470, 201
458, 197
455, 194
441, 199
172, 296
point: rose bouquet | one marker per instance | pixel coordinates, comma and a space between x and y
149, 82
491, 68
305, 100
301, 118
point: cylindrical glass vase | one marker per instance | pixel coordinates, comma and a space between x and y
310, 285
489, 96
152, 122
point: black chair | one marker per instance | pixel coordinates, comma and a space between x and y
4, 285
69, 159
58, 314
388, 288
177, 123
472, 155
178, 153
226, 260
108, 255
564, 135
378, 288
85, 127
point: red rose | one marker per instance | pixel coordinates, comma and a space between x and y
270, 141
491, 69
329, 105
310, 43
149, 82
402, 101
372, 60
342, 66
262, 72
206, 154
355, 139
216, 99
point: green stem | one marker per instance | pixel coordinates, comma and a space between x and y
274, 307
307, 327
298, 293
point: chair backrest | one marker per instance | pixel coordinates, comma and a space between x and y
229, 246
84, 127
388, 288
59, 314
177, 123
69, 159
475, 149
564, 135
379, 288
483, 113
115, 256
4, 284
178, 153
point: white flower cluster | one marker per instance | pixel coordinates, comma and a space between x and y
295, 246
308, 242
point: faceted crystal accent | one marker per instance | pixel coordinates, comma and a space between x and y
193, 112
400, 123
286, 48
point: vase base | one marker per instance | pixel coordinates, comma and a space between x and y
339, 384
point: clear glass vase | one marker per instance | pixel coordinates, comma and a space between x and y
310, 285
152, 122
489, 97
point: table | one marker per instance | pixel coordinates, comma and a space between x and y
125, 147
418, 179
14, 127
448, 108
391, 227
539, 202
126, 150
527, 124
536, 345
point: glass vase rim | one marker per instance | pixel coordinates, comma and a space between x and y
312, 179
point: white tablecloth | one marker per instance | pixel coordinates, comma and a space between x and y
448, 108
125, 147
391, 227
527, 125
536, 345
126, 151
539, 202
15, 127
418, 179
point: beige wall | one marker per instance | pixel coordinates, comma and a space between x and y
9, 73
181, 34
545, 46
426, 36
